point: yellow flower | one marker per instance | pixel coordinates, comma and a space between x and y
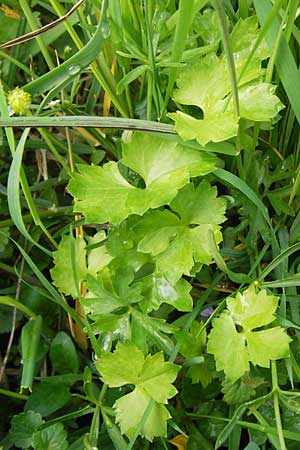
179, 441
19, 101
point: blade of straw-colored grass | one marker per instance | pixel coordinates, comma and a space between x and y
285, 63
30, 338
114, 122
87, 121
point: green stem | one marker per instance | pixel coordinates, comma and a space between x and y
276, 405
13, 394
141, 424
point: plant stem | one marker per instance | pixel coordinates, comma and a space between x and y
276, 405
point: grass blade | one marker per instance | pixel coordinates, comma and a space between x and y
30, 339
285, 62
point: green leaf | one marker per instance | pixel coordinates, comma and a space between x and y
267, 345
51, 438
47, 398
192, 344
244, 36
241, 390
152, 378
61, 346
252, 310
165, 166
130, 77
136, 402
207, 85
157, 290
228, 348
30, 338
208, 27
110, 291
98, 257
121, 367
233, 349
173, 240
201, 373
224, 126
23, 426
62, 273
259, 102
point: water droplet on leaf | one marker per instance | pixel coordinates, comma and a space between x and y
73, 70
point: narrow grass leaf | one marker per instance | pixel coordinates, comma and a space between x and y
285, 62
74, 65
5, 300
278, 260
130, 77
30, 338
48, 286
13, 195
237, 415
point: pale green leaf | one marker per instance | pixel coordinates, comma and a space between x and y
105, 196
228, 347
157, 290
164, 164
248, 310
126, 365
121, 367
130, 409
267, 345
208, 26
152, 377
175, 244
199, 84
109, 291
251, 310
102, 193
157, 377
97, 257
199, 205
215, 127
53, 437
62, 273
244, 36
207, 85
259, 102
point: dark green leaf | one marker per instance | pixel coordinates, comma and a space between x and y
63, 354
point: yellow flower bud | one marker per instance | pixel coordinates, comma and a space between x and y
19, 101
